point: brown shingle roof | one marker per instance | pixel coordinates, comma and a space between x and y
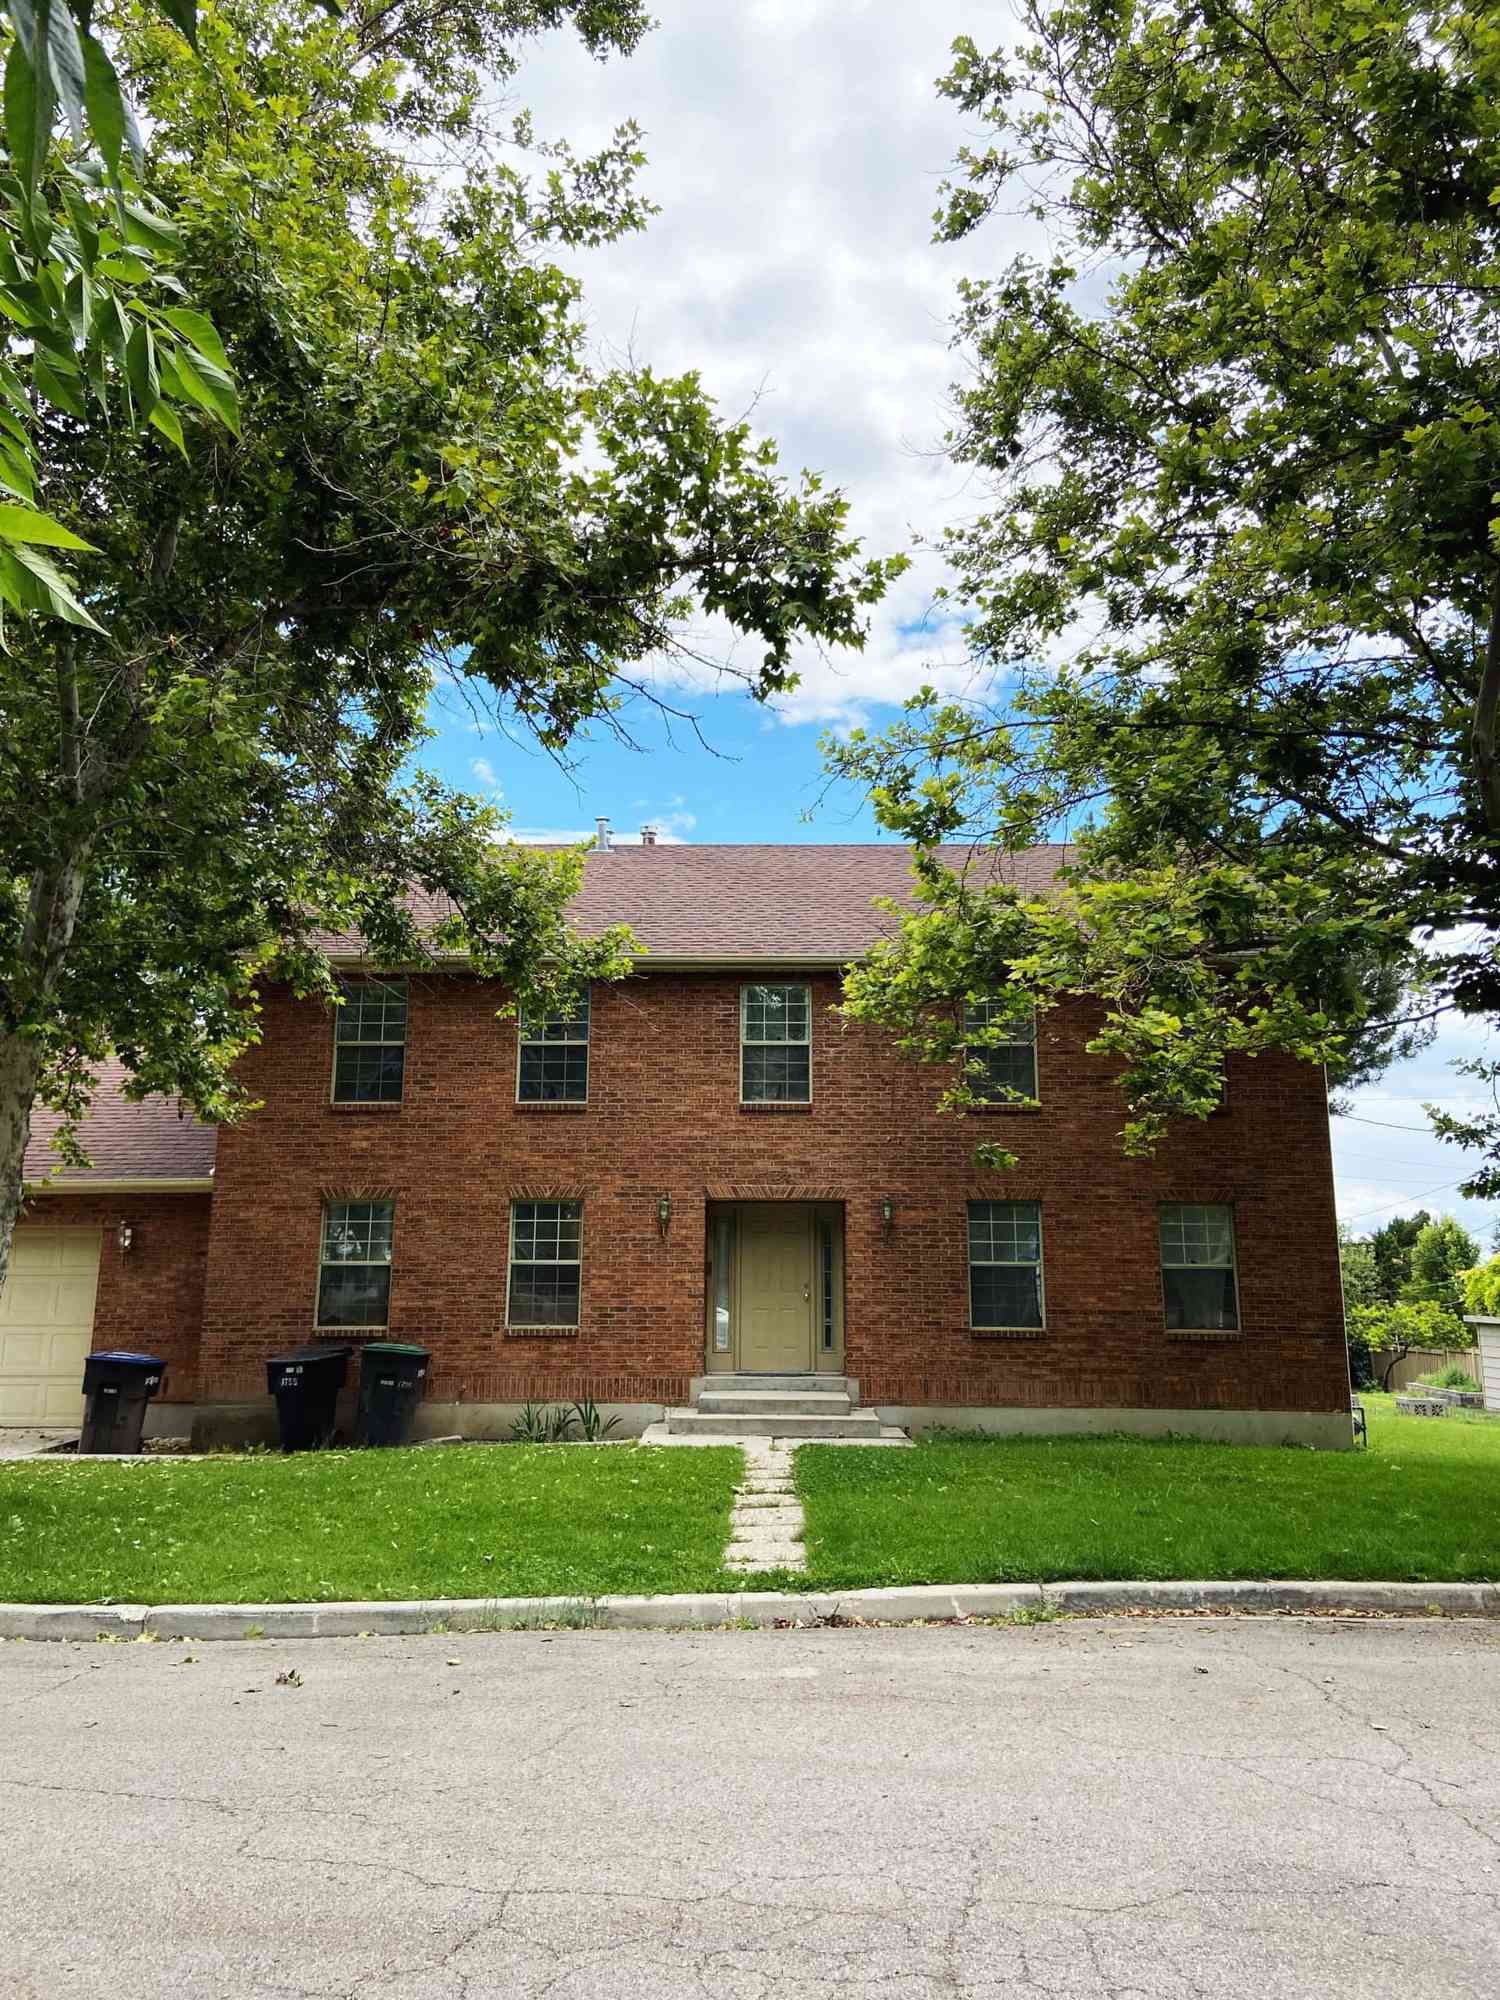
726, 904
145, 1141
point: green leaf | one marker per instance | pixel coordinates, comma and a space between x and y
30, 582
140, 366
57, 389
16, 477
165, 419
198, 330
209, 389
29, 103
84, 227
126, 267
66, 58
105, 103
25, 524
183, 14
149, 230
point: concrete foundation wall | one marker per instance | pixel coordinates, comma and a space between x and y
240, 1423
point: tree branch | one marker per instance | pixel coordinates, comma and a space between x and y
1487, 717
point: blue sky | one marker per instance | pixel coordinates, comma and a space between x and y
796, 149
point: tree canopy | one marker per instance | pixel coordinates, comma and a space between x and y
1233, 584
428, 481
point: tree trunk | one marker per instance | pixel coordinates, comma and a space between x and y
20, 1066
1485, 739
1391, 1366
51, 918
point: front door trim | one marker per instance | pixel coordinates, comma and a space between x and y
821, 1226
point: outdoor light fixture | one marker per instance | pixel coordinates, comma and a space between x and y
887, 1215
124, 1236
664, 1212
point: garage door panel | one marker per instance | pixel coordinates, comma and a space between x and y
26, 1350
47, 1325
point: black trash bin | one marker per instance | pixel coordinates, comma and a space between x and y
391, 1376
306, 1386
117, 1386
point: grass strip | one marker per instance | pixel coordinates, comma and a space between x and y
1421, 1503
462, 1521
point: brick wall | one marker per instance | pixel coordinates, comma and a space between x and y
664, 1116
151, 1296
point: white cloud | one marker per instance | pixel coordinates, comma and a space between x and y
796, 147
484, 771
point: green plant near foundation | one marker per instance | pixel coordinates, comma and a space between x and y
542, 1423
592, 1422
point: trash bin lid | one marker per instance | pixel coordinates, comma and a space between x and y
319, 1351
122, 1354
385, 1347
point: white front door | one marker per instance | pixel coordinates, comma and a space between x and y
47, 1326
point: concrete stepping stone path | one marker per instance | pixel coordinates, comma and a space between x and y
765, 1529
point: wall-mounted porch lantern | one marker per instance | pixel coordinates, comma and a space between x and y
887, 1216
664, 1212
124, 1236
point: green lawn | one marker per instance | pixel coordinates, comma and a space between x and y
1423, 1502
462, 1521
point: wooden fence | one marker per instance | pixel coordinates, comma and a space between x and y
1428, 1361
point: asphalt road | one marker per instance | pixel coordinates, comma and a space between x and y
1167, 1808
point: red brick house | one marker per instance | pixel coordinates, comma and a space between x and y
704, 1177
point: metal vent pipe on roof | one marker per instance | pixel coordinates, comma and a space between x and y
601, 833
648, 836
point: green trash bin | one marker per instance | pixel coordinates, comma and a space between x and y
392, 1377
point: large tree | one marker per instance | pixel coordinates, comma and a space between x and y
428, 481
1233, 586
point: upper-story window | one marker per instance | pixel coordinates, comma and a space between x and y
775, 1044
1198, 1283
1008, 1062
369, 1042
552, 1064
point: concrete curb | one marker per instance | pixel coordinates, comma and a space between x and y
708, 1610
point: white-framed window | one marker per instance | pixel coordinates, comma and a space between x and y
1007, 1057
546, 1263
1005, 1265
369, 1042
552, 1056
775, 1044
1199, 1287
354, 1266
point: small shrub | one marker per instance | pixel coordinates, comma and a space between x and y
592, 1422
1451, 1377
542, 1423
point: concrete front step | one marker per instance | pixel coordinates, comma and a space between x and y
774, 1385
770, 1403
735, 1424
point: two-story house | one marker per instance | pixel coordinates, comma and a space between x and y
703, 1174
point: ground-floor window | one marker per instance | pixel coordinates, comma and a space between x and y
1197, 1267
1005, 1265
354, 1271
546, 1263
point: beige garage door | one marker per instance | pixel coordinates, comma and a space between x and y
47, 1325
